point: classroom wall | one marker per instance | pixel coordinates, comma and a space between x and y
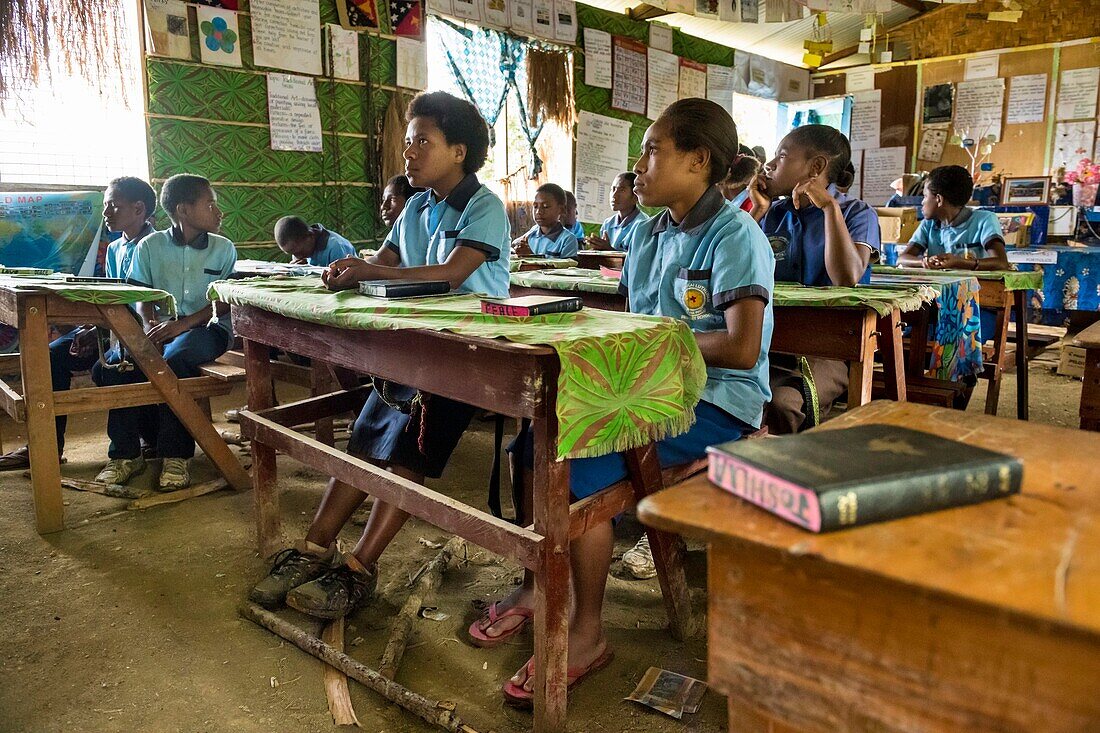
212, 120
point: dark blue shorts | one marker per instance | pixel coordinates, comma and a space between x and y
421, 443
713, 425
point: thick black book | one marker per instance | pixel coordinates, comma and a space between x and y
530, 305
403, 288
831, 479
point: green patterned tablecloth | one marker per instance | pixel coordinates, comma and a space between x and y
1013, 279
576, 279
105, 293
625, 379
542, 263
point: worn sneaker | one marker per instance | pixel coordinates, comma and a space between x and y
120, 470
289, 569
174, 475
639, 560
335, 594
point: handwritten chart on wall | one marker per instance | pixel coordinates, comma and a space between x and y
664, 70
628, 75
978, 108
286, 34
601, 155
293, 114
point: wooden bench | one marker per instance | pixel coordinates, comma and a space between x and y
1089, 340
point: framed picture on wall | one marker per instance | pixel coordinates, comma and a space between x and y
1020, 190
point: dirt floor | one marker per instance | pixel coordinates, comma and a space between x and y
127, 620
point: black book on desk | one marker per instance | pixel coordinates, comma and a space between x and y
831, 479
403, 288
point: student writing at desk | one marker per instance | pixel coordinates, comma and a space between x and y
310, 245
616, 230
549, 237
820, 237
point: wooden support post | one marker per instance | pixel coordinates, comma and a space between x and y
668, 549
1019, 298
321, 383
264, 475
995, 372
34, 359
893, 360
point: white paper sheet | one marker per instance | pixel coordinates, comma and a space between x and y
521, 14
1027, 99
932, 141
286, 34
343, 52
597, 58
293, 114
565, 21
467, 9
763, 77
693, 79
628, 75
866, 119
494, 13
1072, 142
1077, 93
856, 189
720, 86
881, 167
439, 7
412, 63
663, 70
601, 155
978, 107
543, 14
660, 37
167, 30
216, 51
862, 80
982, 67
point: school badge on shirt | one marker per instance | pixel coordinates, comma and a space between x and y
779, 246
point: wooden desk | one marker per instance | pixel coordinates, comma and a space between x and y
31, 310
979, 618
1089, 340
504, 377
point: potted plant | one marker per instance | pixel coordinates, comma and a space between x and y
1085, 179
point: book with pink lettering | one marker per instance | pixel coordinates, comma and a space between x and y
530, 305
825, 480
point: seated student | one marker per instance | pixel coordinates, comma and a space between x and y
548, 238
181, 260
617, 229
735, 188
819, 237
128, 206
700, 261
310, 245
455, 231
569, 216
398, 190
952, 236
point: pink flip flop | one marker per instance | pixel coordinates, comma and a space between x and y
515, 694
480, 639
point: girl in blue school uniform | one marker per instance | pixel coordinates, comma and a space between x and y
457, 231
820, 237
549, 237
709, 265
616, 230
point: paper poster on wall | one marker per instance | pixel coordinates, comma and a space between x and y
856, 189
565, 21
467, 9
938, 104
978, 108
693, 79
981, 67
628, 75
660, 37
932, 141
286, 34
663, 71
750, 11
741, 72
720, 86
341, 52
494, 13
1072, 142
167, 31
881, 167
794, 83
861, 80
1027, 99
439, 7
601, 156
292, 111
706, 9
359, 15
412, 63
1077, 93
219, 36
407, 17
543, 13
522, 16
866, 119
784, 11
763, 77
597, 58
729, 11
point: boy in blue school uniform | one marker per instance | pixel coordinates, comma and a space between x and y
128, 207
952, 236
617, 229
820, 237
569, 217
457, 231
548, 238
182, 260
709, 265
310, 245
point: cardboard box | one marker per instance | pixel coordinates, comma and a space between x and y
896, 224
1072, 361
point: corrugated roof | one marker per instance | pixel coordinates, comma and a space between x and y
779, 41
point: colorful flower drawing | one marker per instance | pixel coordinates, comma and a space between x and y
218, 36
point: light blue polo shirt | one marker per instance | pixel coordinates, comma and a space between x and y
333, 247
560, 242
120, 254
577, 230
427, 231
618, 231
694, 271
184, 270
797, 237
971, 231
